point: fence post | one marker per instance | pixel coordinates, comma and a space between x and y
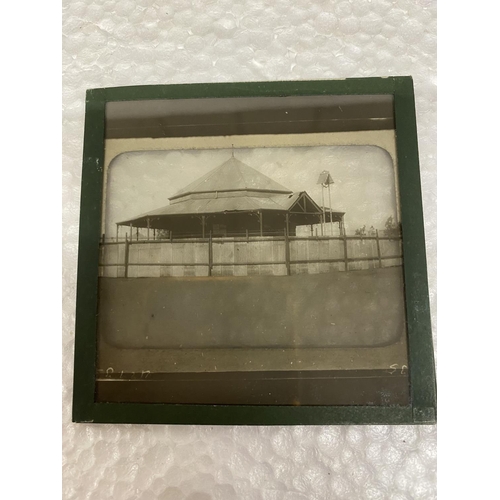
127, 243
210, 256
378, 252
287, 252
346, 260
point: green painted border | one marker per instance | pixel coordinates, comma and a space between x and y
421, 356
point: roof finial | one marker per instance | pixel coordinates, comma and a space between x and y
232, 150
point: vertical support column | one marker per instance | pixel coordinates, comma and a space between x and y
331, 213
171, 234
323, 208
210, 256
342, 227
312, 230
287, 220
346, 259
261, 215
203, 226
137, 233
247, 234
154, 233
287, 252
148, 228
378, 251
127, 243
130, 232
117, 231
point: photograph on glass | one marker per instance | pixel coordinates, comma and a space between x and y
251, 255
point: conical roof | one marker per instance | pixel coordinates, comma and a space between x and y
232, 175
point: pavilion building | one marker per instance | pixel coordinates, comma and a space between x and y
234, 199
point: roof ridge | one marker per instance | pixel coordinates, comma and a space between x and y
245, 180
232, 175
204, 178
242, 176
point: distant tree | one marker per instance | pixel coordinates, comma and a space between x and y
392, 228
361, 231
162, 234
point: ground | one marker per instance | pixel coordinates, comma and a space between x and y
354, 309
335, 338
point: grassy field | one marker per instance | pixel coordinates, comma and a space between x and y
353, 309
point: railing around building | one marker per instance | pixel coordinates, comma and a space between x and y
247, 255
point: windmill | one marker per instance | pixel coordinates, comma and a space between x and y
325, 179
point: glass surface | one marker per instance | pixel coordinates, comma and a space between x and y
251, 253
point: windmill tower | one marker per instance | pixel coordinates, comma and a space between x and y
325, 179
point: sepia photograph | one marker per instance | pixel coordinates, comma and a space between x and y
251, 259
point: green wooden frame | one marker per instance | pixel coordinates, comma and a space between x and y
422, 409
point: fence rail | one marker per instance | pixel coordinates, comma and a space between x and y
275, 255
243, 238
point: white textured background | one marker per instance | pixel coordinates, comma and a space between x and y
108, 43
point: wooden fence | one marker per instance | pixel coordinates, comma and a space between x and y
267, 255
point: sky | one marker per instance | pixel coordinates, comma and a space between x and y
364, 185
